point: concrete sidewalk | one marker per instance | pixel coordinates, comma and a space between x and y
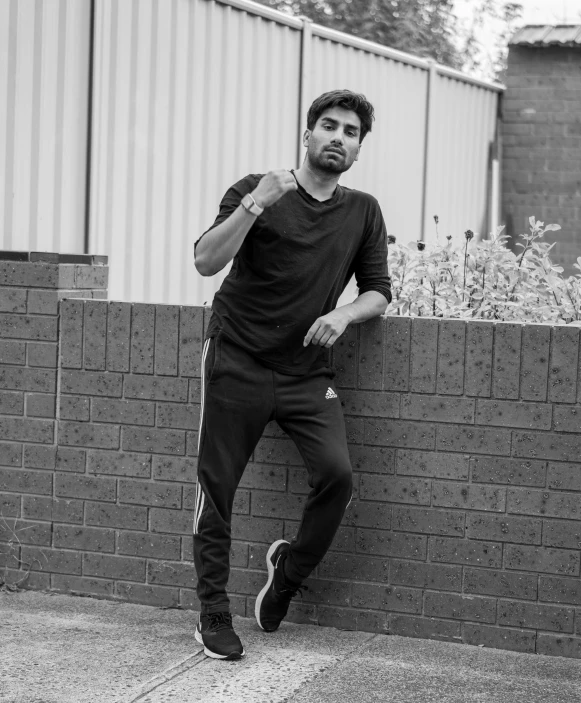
66, 649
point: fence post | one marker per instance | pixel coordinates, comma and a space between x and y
432, 74
304, 81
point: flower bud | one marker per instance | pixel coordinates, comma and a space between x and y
436, 219
421, 246
469, 234
391, 238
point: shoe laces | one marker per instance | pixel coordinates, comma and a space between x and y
219, 621
291, 591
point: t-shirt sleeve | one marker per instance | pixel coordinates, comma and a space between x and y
231, 200
371, 262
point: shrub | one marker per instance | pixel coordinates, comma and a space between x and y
484, 279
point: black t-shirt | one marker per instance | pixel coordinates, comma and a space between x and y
292, 267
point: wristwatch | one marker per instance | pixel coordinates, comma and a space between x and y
250, 205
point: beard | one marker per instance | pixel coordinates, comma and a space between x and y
328, 162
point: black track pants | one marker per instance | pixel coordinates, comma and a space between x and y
239, 397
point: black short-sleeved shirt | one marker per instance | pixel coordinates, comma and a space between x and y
292, 267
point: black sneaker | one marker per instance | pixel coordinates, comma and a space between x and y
216, 633
274, 599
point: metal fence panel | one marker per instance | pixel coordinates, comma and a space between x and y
44, 69
191, 96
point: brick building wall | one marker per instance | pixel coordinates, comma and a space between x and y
541, 136
464, 437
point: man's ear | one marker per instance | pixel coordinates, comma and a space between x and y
306, 136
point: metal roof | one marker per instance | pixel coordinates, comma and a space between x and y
548, 35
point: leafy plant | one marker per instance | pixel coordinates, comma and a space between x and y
484, 279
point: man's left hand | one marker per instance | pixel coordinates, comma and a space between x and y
326, 330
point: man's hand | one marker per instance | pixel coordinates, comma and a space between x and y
326, 330
272, 187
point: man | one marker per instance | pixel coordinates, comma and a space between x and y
295, 239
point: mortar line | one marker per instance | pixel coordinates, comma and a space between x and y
168, 675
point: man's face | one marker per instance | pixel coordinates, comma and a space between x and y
333, 144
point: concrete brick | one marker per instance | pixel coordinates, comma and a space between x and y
558, 589
91, 383
460, 551
504, 528
42, 302
433, 576
262, 476
90, 276
276, 505
72, 460
159, 495
507, 352
172, 573
167, 323
391, 598
10, 454
195, 392
148, 545
354, 430
89, 539
26, 430
448, 494
13, 300
77, 584
478, 364
559, 646
476, 440
424, 357
368, 514
391, 489
345, 357
544, 503
153, 388
128, 412
566, 476
155, 441
116, 567
371, 345
142, 338
372, 459
27, 327
119, 464
84, 434
192, 443
12, 352
437, 409
57, 561
432, 464
123, 517
28, 274
40, 380
40, 405
57, 509
564, 363
74, 407
369, 403
546, 446
506, 413
499, 638
536, 341
535, 616
397, 354
118, 336
542, 560
500, 583
459, 607
21, 532
43, 354
173, 468
520, 472
567, 418
451, 344
428, 521
71, 330
399, 433
11, 403
10, 506
95, 335
390, 544
562, 533
85, 487
424, 628
169, 520
191, 337
178, 416
255, 529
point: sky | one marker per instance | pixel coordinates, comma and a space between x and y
534, 12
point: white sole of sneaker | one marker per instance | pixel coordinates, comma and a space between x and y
213, 655
273, 547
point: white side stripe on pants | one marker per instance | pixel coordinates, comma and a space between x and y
200, 497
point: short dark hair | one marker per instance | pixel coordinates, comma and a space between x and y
346, 99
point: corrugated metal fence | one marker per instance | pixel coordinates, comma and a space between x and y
187, 97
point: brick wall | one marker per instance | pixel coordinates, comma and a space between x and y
464, 437
541, 134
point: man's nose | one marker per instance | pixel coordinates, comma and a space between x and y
337, 137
